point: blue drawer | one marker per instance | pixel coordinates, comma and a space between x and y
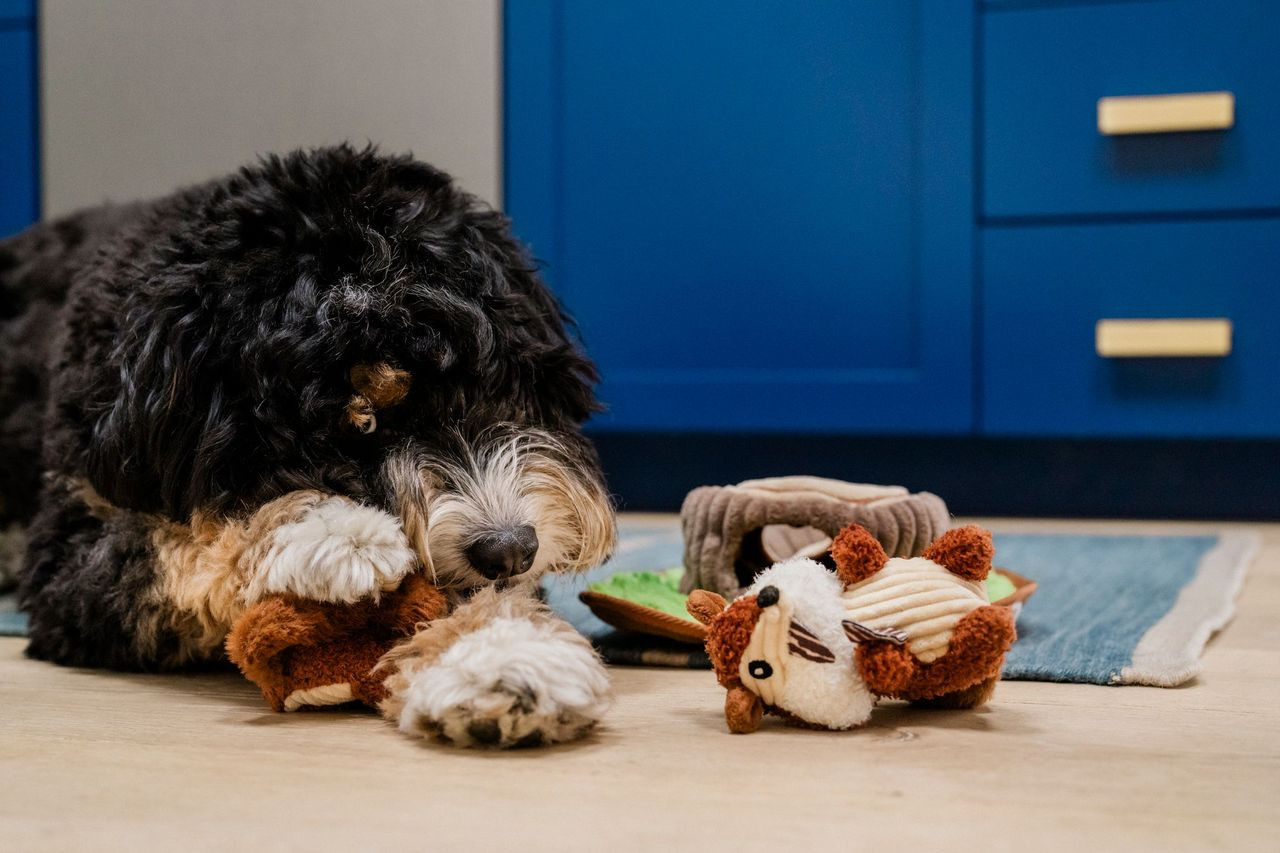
1045, 68
18, 132
1046, 287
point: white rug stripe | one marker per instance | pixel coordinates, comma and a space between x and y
1169, 653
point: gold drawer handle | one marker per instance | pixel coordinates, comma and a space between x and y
1209, 338
1166, 113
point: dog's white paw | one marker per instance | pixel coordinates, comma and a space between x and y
514, 682
337, 551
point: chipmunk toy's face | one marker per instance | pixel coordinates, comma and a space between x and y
784, 648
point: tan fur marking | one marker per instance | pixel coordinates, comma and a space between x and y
381, 384
576, 509
360, 413
411, 487
204, 567
98, 506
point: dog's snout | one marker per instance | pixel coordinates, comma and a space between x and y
767, 597
505, 553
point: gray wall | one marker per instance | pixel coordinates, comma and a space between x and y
140, 96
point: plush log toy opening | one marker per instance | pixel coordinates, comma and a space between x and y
731, 533
763, 546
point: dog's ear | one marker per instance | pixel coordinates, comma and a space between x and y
163, 442
213, 407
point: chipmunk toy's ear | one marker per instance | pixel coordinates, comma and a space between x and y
705, 605
965, 551
857, 554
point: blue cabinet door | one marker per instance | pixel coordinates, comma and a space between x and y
760, 213
18, 165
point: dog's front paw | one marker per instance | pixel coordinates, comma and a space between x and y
515, 682
339, 551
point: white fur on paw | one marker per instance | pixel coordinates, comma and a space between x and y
515, 682
338, 551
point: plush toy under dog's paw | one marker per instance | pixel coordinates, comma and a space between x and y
309, 654
818, 648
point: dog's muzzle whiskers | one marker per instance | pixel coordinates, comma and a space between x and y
510, 504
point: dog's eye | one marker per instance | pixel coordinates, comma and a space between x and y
369, 425
759, 669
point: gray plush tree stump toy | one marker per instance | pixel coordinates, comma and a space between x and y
733, 532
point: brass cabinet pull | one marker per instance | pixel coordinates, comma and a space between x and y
1163, 338
1166, 113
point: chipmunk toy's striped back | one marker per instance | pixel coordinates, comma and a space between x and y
919, 597
956, 639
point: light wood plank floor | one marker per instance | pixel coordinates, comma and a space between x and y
99, 761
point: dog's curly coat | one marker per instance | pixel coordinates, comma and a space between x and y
310, 376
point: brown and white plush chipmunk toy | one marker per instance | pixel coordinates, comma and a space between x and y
817, 648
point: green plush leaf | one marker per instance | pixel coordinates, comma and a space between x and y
659, 590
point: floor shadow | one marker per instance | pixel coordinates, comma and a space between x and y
897, 720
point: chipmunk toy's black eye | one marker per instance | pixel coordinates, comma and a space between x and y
759, 669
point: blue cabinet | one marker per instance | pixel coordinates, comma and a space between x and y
769, 217
19, 178
760, 214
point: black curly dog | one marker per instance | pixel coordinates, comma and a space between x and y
330, 322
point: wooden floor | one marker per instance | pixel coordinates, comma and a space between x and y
94, 761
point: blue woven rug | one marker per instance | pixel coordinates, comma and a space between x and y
12, 623
1109, 609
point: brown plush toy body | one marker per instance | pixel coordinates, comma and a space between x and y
956, 639
308, 654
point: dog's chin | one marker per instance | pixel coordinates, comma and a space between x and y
518, 583
476, 581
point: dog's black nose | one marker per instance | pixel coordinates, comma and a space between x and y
767, 597
504, 554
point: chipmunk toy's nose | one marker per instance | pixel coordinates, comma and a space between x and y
767, 597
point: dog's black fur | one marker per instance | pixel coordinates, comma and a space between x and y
193, 354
